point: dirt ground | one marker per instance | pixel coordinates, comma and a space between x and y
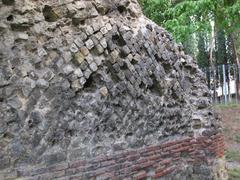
231, 126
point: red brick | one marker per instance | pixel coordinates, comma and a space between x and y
63, 178
125, 171
140, 175
32, 178
58, 167
136, 167
153, 148
100, 159
164, 172
150, 153
142, 160
190, 160
147, 164
115, 167
155, 158
73, 171
106, 176
191, 149
172, 147
193, 141
133, 157
100, 171
170, 143
129, 153
160, 169
121, 160
107, 163
165, 154
180, 149
166, 161
77, 163
201, 138
77, 177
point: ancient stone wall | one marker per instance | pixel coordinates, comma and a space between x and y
97, 81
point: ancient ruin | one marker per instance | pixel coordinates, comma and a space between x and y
92, 89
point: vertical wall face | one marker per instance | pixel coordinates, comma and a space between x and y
98, 82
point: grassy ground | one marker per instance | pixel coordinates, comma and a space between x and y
231, 126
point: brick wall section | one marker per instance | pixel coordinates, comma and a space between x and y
153, 161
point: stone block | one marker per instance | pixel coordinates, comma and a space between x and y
108, 26
54, 158
103, 43
82, 36
93, 66
87, 73
82, 81
99, 49
79, 58
68, 69
89, 44
79, 43
98, 35
89, 30
42, 83
89, 59
14, 102
114, 56
76, 85
104, 30
84, 65
78, 72
22, 36
42, 52
74, 48
84, 51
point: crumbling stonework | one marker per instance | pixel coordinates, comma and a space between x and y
97, 81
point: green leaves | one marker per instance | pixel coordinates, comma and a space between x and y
184, 17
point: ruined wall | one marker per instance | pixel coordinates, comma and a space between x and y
95, 80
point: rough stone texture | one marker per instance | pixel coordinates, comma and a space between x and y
82, 79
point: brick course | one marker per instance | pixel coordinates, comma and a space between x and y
152, 161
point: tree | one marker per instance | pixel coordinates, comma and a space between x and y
219, 20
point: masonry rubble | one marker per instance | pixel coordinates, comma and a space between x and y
85, 79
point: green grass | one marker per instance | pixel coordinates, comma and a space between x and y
232, 155
237, 138
234, 174
226, 130
225, 106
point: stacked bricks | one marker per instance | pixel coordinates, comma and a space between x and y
149, 162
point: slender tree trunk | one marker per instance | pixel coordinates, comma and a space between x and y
211, 63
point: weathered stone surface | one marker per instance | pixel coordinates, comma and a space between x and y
83, 79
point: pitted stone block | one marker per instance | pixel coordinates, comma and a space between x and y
89, 44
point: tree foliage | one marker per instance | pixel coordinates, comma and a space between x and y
186, 19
